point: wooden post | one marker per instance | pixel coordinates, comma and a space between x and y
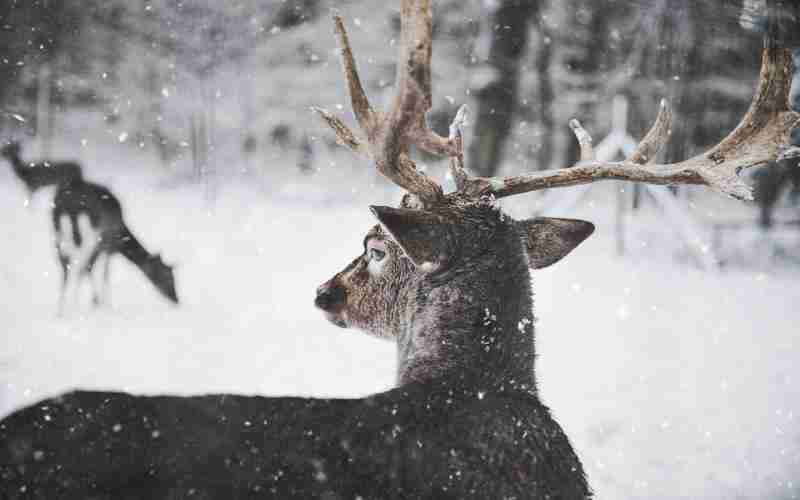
194, 145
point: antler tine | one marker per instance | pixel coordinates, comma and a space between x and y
761, 137
388, 135
413, 98
358, 98
415, 82
416, 47
762, 134
457, 170
412, 101
346, 138
584, 140
344, 135
428, 140
656, 138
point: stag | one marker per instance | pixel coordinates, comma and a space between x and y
444, 275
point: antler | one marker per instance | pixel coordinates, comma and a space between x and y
761, 137
389, 134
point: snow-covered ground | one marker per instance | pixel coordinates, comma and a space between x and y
671, 382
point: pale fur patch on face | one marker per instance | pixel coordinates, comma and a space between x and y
429, 267
372, 283
377, 256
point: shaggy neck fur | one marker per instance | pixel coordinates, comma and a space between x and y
472, 325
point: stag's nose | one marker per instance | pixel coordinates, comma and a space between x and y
329, 296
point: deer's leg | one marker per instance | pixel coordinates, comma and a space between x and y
93, 270
64, 261
106, 271
65, 248
89, 249
98, 273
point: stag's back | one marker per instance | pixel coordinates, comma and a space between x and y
418, 441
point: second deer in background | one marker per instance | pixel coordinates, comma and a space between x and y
89, 229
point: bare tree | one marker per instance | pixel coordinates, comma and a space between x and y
546, 95
498, 98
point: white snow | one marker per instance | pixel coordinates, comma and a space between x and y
671, 382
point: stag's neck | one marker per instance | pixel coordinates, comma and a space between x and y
473, 329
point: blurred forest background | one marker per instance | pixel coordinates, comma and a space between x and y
208, 91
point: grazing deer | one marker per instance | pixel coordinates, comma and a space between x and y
89, 229
36, 175
447, 277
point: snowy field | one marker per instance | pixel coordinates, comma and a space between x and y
671, 382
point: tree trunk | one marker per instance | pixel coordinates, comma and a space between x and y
497, 100
582, 55
43, 109
199, 144
210, 145
544, 56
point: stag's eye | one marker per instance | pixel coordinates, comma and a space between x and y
376, 255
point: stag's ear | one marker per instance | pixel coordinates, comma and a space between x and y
423, 236
548, 240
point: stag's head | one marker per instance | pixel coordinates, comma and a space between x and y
413, 251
